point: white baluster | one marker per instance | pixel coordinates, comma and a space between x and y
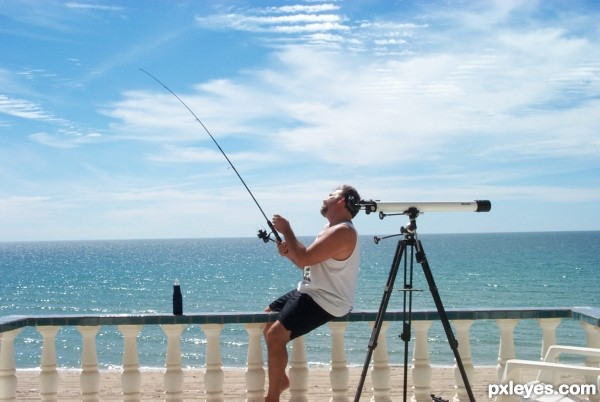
131, 378
380, 373
8, 370
421, 370
214, 377
255, 372
48, 373
298, 372
339, 374
592, 334
90, 376
513, 376
173, 376
464, 350
548, 326
507, 343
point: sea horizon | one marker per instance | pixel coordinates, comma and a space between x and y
303, 236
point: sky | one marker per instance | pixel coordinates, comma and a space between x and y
408, 101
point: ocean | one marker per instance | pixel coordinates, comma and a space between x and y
550, 269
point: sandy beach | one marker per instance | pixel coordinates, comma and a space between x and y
235, 386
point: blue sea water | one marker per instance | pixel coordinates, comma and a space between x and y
551, 269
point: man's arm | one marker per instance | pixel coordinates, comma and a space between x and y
335, 242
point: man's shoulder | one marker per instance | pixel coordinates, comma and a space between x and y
340, 232
346, 225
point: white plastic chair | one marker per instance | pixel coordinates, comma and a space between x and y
592, 355
551, 377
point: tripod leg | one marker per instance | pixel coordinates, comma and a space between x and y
389, 287
422, 259
407, 312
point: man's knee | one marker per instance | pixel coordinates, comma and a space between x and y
268, 324
276, 334
266, 329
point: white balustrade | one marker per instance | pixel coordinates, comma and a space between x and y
380, 372
90, 376
421, 370
339, 375
48, 373
592, 334
593, 341
214, 376
507, 343
8, 371
255, 372
298, 372
462, 328
131, 378
548, 326
173, 376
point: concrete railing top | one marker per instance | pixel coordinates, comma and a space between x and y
590, 315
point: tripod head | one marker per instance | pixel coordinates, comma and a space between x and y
409, 230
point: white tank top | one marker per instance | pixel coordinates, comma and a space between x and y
332, 283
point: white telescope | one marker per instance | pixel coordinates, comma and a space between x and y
406, 208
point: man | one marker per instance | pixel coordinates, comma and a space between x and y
330, 272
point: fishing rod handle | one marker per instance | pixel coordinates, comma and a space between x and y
275, 233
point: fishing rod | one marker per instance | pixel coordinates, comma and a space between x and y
262, 234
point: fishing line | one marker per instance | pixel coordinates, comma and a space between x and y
261, 233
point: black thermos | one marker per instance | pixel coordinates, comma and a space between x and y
177, 299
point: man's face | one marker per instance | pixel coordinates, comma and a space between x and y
331, 200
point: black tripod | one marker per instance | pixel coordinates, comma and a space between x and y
417, 253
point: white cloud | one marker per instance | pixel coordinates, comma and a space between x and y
24, 109
63, 139
23, 208
299, 8
92, 6
399, 110
65, 133
176, 154
499, 83
317, 24
297, 23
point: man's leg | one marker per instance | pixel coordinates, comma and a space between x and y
301, 315
276, 338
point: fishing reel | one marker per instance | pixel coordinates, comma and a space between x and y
264, 235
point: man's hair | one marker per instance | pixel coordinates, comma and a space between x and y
351, 197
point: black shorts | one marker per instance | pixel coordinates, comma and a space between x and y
299, 313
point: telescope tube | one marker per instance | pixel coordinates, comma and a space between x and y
404, 207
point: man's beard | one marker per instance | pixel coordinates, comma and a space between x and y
324, 210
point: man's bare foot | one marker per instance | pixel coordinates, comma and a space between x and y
285, 384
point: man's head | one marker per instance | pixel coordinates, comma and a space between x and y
345, 194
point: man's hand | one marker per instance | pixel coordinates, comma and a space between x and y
291, 246
281, 224
283, 248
